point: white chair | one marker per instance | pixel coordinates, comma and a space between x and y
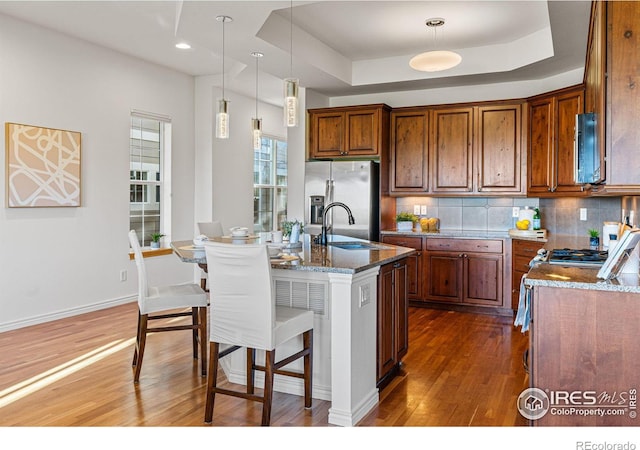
244, 314
209, 229
161, 302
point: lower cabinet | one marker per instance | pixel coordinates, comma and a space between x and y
584, 356
522, 251
414, 263
460, 271
465, 271
393, 331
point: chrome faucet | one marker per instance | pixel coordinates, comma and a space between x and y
323, 236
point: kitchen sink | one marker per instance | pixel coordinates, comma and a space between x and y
349, 245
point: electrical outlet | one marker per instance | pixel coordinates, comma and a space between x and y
416, 210
123, 275
365, 295
583, 213
515, 212
423, 210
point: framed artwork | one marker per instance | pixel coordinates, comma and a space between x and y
43, 166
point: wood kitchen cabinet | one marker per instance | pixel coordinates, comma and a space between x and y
393, 331
352, 131
585, 340
470, 149
451, 150
464, 271
414, 262
522, 251
409, 152
552, 119
612, 79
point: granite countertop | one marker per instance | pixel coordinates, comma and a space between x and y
464, 234
312, 257
556, 275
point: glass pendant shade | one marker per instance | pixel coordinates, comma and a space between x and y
435, 61
291, 102
256, 126
222, 119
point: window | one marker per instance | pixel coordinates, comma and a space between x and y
149, 147
269, 184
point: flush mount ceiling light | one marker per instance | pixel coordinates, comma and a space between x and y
435, 60
256, 123
183, 46
222, 117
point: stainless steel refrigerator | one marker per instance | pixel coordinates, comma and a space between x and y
354, 183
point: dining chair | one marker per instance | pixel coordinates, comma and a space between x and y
162, 302
209, 229
244, 315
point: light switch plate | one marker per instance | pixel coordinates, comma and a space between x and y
416, 210
583, 213
365, 295
423, 210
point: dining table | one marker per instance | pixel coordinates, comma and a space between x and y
339, 283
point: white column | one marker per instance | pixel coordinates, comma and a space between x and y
353, 346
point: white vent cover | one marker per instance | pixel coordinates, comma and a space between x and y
304, 295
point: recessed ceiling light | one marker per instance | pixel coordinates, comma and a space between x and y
183, 46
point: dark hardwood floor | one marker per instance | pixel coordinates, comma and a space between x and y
461, 370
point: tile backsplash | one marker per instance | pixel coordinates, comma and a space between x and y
559, 216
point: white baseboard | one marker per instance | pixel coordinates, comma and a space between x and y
8, 326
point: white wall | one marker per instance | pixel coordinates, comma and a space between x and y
224, 167
56, 262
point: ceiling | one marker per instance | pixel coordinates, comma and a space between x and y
339, 47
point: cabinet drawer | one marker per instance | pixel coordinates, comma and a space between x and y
526, 248
404, 241
465, 245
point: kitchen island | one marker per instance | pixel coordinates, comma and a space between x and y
584, 354
339, 283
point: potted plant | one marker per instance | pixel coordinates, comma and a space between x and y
594, 238
155, 239
405, 221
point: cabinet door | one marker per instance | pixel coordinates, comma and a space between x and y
414, 263
362, 133
567, 106
523, 252
499, 149
401, 311
541, 140
444, 277
409, 152
386, 334
451, 150
483, 279
327, 131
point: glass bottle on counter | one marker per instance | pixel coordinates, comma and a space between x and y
536, 219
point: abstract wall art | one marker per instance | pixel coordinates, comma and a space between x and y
43, 166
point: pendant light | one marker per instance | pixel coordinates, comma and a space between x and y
256, 122
291, 84
435, 60
222, 116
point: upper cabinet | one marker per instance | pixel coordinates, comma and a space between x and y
457, 149
612, 80
352, 131
409, 154
552, 120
